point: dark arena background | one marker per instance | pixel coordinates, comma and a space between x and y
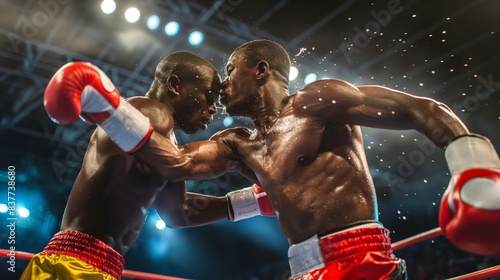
447, 50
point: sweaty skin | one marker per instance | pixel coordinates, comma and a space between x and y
114, 191
307, 150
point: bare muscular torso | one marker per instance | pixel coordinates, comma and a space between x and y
113, 192
315, 172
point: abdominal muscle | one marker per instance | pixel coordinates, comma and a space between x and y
323, 196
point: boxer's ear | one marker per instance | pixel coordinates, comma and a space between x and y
173, 83
262, 69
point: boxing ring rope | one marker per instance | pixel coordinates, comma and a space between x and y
477, 275
480, 274
126, 273
417, 238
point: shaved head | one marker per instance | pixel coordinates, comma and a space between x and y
272, 52
183, 64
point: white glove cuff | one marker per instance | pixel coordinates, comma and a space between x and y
127, 126
244, 204
471, 151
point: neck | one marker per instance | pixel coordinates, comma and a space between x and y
269, 106
156, 94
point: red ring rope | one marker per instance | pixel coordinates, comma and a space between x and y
417, 238
480, 274
126, 273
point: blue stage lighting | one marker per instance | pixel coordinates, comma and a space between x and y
172, 28
310, 78
228, 121
24, 212
196, 38
153, 22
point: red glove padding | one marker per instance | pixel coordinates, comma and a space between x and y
82, 89
469, 214
76, 89
249, 202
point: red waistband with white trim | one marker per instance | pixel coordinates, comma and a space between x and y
344, 246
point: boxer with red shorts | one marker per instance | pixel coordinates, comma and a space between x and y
352, 253
307, 154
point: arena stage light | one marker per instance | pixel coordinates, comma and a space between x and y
172, 28
294, 72
153, 22
3, 208
132, 15
108, 6
160, 224
196, 38
310, 78
228, 120
24, 212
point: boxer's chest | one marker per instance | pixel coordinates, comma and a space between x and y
289, 144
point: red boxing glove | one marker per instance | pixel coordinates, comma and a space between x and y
82, 89
469, 214
249, 202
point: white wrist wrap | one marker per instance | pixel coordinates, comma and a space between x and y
127, 126
471, 151
244, 204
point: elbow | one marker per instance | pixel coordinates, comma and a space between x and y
437, 121
176, 222
173, 219
423, 110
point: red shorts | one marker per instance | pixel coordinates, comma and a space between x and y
360, 253
75, 255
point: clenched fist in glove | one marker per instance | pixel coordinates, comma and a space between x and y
469, 214
80, 89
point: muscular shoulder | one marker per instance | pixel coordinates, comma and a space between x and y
158, 114
327, 88
327, 94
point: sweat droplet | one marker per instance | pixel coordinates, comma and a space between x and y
321, 99
333, 101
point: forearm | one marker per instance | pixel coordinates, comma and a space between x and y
207, 160
437, 122
196, 210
